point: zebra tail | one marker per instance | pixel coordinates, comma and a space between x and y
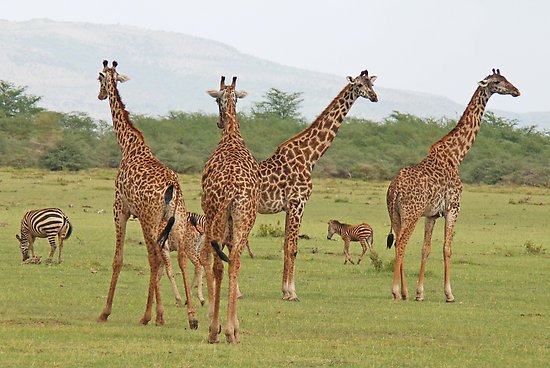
164, 234
193, 220
69, 230
218, 251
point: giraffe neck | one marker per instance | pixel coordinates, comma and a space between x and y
230, 122
455, 145
127, 134
317, 138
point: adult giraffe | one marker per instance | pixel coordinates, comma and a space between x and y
144, 188
285, 177
432, 188
230, 191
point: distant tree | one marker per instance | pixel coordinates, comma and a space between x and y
14, 100
284, 105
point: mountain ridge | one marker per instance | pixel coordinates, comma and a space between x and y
171, 71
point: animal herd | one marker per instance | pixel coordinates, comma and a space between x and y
235, 187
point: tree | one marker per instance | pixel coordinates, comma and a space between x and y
14, 100
284, 105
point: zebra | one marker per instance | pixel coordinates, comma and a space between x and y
362, 233
43, 223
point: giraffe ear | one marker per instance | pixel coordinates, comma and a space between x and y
214, 93
373, 78
241, 94
122, 78
350, 79
483, 83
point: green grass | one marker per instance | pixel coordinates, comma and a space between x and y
346, 316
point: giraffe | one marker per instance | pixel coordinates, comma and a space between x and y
285, 177
146, 189
432, 188
230, 191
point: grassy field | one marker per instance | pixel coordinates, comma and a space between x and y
346, 316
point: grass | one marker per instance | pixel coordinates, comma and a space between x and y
346, 317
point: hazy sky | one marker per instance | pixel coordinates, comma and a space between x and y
433, 46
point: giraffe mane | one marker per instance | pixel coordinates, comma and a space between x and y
126, 117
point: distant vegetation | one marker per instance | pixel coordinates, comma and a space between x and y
33, 137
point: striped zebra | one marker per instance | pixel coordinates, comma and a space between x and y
43, 223
362, 233
199, 222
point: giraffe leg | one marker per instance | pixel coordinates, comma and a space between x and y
232, 333
426, 249
249, 250
292, 229
197, 282
120, 224
399, 266
364, 246
170, 273
215, 326
206, 262
191, 316
155, 261
450, 220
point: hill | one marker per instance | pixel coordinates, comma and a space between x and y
171, 71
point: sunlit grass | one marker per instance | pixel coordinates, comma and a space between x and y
346, 316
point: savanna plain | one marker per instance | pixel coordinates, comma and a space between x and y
345, 318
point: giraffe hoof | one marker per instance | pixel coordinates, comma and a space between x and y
202, 302
419, 298
450, 300
144, 321
193, 324
102, 318
159, 322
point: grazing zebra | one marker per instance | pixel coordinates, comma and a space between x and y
362, 233
44, 223
198, 221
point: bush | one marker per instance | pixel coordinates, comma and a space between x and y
64, 157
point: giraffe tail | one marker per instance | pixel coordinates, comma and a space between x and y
218, 226
218, 250
390, 239
164, 234
168, 202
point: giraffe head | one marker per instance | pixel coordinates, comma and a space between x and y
226, 98
108, 74
496, 83
363, 85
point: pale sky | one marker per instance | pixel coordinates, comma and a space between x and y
434, 46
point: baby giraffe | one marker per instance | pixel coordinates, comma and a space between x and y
362, 233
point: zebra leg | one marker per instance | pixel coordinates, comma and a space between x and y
60, 247
31, 245
346, 252
51, 239
364, 246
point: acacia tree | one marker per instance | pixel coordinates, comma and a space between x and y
284, 105
14, 100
